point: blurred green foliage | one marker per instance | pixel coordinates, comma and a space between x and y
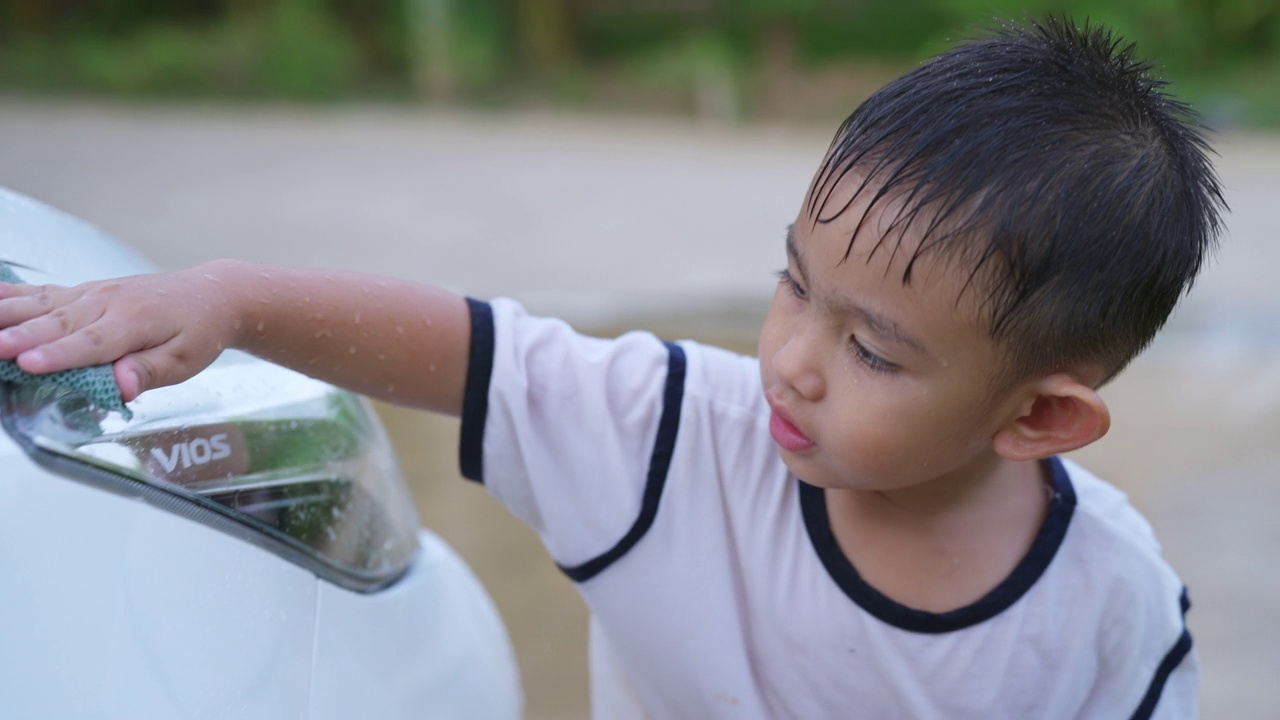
705, 56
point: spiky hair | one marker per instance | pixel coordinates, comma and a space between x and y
1051, 161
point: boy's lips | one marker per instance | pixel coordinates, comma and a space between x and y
787, 436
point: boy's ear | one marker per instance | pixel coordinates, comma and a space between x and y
1061, 415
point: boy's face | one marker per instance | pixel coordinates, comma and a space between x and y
874, 384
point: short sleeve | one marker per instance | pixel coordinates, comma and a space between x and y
573, 434
1148, 664
1180, 695
1172, 692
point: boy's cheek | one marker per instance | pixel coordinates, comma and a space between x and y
768, 341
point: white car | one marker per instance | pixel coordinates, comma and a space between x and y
243, 547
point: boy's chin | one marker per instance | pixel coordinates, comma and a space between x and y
811, 475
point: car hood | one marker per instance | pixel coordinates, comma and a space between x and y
50, 246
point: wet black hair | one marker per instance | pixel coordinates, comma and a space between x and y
1048, 158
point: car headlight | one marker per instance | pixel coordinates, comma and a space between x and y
286, 462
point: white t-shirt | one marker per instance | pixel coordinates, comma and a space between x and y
717, 588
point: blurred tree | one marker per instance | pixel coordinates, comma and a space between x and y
546, 31
431, 53
24, 17
709, 50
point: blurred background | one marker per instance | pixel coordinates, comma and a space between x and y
723, 59
627, 163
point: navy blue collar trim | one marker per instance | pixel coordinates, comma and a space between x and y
475, 397
813, 504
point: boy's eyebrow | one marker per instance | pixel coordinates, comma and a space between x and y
792, 251
879, 324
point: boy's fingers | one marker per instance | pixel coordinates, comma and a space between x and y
8, 290
127, 380
91, 345
65, 335
155, 367
24, 302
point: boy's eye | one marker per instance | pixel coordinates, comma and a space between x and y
785, 278
872, 361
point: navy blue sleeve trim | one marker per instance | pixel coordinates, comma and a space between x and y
475, 398
659, 463
1171, 661
1044, 547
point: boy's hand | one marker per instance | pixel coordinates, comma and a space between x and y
155, 329
390, 339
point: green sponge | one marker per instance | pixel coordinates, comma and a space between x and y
98, 383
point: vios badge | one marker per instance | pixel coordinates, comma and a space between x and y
194, 454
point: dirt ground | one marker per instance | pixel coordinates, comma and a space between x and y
611, 222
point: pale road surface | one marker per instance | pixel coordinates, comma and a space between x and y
676, 226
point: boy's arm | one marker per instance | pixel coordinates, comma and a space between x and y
390, 339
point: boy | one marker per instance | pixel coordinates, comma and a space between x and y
869, 521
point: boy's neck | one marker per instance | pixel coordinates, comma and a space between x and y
945, 544
983, 483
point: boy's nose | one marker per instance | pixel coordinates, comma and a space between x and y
797, 366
